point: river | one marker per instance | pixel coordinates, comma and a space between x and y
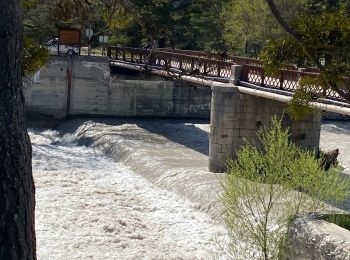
140, 189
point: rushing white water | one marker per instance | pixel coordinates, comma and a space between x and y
174, 154
171, 154
90, 207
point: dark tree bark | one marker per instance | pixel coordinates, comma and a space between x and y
17, 202
276, 13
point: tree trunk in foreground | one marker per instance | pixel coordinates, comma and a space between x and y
17, 202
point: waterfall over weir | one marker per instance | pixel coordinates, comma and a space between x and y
91, 207
173, 154
90, 202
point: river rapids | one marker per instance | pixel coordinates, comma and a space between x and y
135, 189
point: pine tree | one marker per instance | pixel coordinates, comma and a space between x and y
17, 202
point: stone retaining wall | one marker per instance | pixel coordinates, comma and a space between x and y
95, 92
313, 239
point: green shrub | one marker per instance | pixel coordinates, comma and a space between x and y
268, 186
34, 56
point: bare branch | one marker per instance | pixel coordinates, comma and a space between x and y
128, 6
299, 39
276, 13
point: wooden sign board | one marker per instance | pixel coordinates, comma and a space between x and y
69, 36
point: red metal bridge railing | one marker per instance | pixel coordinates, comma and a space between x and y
223, 57
182, 63
127, 54
288, 80
196, 63
192, 65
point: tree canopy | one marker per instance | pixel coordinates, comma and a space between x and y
174, 23
34, 54
249, 24
318, 36
308, 33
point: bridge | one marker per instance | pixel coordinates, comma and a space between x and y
232, 91
243, 97
219, 68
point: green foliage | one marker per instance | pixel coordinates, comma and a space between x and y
180, 24
34, 56
323, 28
268, 186
71, 10
326, 35
249, 24
38, 26
116, 18
309, 90
207, 18
278, 54
184, 24
28, 4
299, 107
342, 220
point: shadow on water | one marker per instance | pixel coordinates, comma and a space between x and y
184, 132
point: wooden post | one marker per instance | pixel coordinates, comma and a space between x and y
109, 52
262, 78
281, 80
219, 69
69, 85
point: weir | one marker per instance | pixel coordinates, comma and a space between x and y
78, 85
84, 86
164, 154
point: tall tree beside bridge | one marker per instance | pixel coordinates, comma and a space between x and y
318, 36
17, 202
248, 24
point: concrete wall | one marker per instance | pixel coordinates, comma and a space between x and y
95, 92
314, 239
236, 118
46, 91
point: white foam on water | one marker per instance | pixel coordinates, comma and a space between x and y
90, 207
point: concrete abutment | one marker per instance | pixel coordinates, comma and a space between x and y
83, 86
237, 117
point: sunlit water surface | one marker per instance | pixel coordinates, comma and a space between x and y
111, 189
90, 207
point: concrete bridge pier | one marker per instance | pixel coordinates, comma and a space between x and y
236, 118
